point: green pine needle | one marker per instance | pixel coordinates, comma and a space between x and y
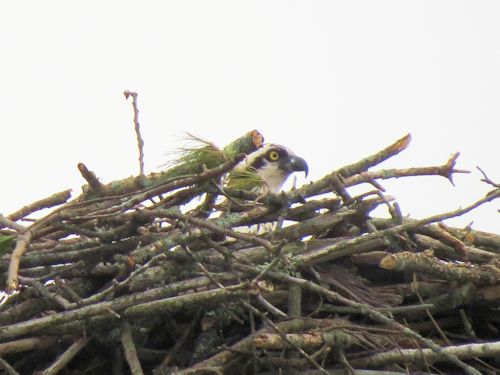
191, 158
244, 180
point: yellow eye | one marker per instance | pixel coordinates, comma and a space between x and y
273, 156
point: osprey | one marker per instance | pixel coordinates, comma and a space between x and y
266, 169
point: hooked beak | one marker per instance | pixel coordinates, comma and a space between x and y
296, 164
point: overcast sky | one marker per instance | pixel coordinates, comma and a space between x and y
332, 80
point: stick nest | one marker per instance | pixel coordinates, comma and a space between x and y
177, 273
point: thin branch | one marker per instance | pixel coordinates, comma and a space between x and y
61, 362
22, 246
44, 292
180, 342
469, 351
89, 176
140, 142
270, 307
116, 285
130, 350
7, 367
5, 222
54, 200
27, 344
487, 180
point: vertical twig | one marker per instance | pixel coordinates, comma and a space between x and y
140, 142
117, 362
254, 349
294, 300
130, 350
22, 245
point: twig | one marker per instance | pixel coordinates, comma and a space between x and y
117, 285
130, 350
22, 246
8, 368
269, 267
269, 307
251, 317
202, 267
140, 142
468, 351
469, 330
68, 290
66, 357
44, 292
5, 222
209, 298
377, 158
89, 176
385, 174
426, 263
214, 227
54, 200
180, 342
294, 299
487, 179
28, 344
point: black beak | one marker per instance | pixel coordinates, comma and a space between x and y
295, 164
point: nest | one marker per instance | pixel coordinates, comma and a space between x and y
176, 273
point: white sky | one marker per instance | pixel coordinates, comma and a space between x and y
332, 80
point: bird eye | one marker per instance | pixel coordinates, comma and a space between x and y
273, 156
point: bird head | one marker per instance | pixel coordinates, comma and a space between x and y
266, 169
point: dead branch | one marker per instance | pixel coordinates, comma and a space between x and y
401, 356
140, 141
130, 350
54, 200
22, 245
61, 362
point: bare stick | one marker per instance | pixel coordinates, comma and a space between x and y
27, 344
486, 179
5, 222
44, 292
130, 350
398, 355
377, 158
140, 142
180, 342
53, 200
66, 357
117, 285
8, 368
22, 246
91, 178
